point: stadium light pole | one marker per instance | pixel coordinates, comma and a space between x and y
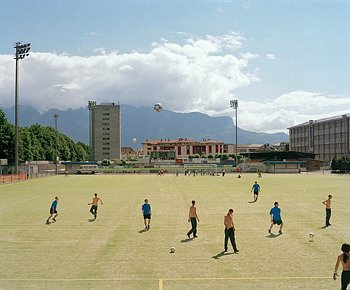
56, 157
22, 50
234, 105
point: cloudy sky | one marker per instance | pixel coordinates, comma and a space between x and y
285, 61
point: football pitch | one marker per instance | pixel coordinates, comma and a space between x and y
113, 252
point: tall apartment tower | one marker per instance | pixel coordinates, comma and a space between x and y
104, 131
328, 138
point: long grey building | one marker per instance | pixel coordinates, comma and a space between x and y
328, 138
104, 131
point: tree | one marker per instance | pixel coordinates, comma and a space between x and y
341, 163
7, 139
39, 143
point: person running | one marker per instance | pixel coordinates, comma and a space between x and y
94, 205
259, 173
327, 203
146, 211
256, 188
230, 231
53, 211
193, 217
275, 213
344, 259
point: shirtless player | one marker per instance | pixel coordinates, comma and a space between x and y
193, 217
94, 205
327, 203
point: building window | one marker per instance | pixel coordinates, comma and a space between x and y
106, 124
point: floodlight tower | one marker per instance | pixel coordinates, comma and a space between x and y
234, 105
56, 157
22, 50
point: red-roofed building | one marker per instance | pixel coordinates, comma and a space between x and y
182, 147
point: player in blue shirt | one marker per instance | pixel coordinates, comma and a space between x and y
256, 188
275, 213
53, 211
146, 211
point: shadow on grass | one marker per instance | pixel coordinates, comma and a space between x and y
142, 231
322, 228
91, 220
221, 254
186, 240
251, 201
272, 236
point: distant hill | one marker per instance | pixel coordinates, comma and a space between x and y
144, 123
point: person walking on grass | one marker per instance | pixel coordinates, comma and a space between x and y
146, 211
327, 204
193, 217
53, 211
230, 231
344, 259
275, 214
94, 205
256, 188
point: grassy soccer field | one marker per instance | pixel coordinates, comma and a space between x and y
113, 252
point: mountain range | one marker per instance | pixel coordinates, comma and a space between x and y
144, 123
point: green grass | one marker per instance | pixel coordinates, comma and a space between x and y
110, 253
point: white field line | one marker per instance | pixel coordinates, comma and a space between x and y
165, 279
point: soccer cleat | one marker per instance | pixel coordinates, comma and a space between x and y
269, 231
236, 251
47, 222
53, 220
195, 236
225, 250
148, 227
280, 232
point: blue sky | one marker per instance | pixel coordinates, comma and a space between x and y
286, 54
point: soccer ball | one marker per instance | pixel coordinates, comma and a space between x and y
158, 107
133, 140
311, 235
172, 249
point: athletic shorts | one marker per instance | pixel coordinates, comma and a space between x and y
277, 222
147, 216
256, 192
53, 210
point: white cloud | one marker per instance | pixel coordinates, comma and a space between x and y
200, 75
195, 76
91, 33
248, 55
271, 56
247, 5
289, 109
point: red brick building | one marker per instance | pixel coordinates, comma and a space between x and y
183, 147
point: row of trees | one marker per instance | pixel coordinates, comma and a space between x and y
341, 163
38, 143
